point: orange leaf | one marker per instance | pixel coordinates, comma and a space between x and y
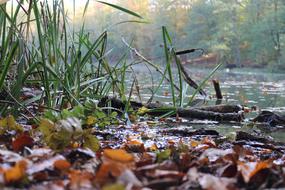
153, 147
194, 143
16, 173
109, 168
61, 165
21, 141
119, 155
80, 180
134, 142
249, 169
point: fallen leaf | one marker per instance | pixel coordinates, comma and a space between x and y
80, 180
10, 156
128, 177
211, 182
214, 154
163, 155
9, 123
208, 141
16, 173
61, 165
91, 141
194, 143
119, 155
153, 147
45, 164
21, 141
249, 169
134, 146
91, 120
108, 170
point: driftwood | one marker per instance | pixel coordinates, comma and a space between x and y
217, 113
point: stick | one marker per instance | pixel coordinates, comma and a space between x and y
217, 89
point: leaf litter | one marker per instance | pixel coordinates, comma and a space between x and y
71, 150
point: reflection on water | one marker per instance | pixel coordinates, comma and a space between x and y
264, 90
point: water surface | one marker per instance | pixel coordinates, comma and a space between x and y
239, 86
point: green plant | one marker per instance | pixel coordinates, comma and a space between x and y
68, 64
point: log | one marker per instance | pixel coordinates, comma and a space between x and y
223, 113
209, 115
193, 113
222, 108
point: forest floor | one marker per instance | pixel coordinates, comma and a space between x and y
75, 150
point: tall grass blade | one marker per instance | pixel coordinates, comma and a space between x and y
122, 9
204, 82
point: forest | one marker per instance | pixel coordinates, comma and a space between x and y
239, 32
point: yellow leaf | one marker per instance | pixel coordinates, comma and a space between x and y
194, 143
118, 155
142, 110
3, 122
91, 120
45, 126
153, 147
90, 141
16, 173
11, 122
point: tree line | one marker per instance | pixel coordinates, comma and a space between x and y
238, 32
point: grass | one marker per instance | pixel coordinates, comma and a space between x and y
39, 44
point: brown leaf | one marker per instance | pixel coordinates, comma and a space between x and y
229, 170
135, 146
21, 141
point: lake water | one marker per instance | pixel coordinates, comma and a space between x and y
250, 88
